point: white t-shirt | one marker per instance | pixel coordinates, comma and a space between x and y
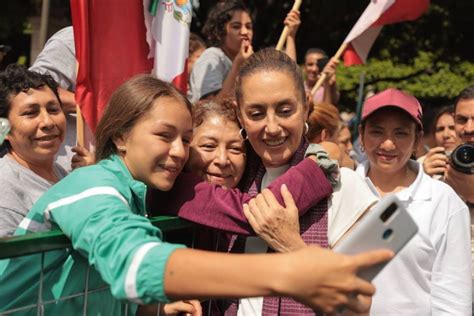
347, 203
431, 275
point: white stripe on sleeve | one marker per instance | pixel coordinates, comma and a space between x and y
85, 194
131, 277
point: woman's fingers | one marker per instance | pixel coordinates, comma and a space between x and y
287, 197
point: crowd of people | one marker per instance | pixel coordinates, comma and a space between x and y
266, 171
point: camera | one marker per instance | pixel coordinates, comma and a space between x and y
462, 158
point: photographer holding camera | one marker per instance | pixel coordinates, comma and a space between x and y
446, 140
453, 160
460, 171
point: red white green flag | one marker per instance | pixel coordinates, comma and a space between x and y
117, 39
167, 24
377, 14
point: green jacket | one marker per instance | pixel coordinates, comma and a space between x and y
101, 209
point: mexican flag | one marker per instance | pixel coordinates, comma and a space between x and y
110, 48
167, 23
117, 39
377, 14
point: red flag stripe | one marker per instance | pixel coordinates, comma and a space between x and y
403, 10
351, 57
110, 48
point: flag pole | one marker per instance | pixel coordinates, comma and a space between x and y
284, 34
79, 121
323, 76
79, 127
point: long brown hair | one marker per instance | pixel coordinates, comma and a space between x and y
131, 101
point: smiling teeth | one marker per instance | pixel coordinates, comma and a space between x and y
170, 169
275, 142
47, 137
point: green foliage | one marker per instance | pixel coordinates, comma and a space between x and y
429, 78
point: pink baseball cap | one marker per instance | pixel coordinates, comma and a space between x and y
393, 98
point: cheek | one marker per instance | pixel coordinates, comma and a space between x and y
253, 129
61, 123
198, 159
22, 129
295, 127
238, 162
239, 167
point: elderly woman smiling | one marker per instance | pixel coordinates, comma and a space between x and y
31, 103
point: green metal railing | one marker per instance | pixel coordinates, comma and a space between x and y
52, 240
42, 242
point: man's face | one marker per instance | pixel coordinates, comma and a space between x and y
464, 120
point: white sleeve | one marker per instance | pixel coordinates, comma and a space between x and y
451, 291
207, 76
347, 204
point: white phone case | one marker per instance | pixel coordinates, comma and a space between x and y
372, 232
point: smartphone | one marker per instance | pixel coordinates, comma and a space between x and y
4, 129
386, 226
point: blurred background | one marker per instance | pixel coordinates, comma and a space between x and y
432, 57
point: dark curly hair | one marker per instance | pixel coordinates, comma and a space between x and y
202, 110
219, 15
17, 78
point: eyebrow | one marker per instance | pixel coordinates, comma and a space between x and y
279, 103
172, 127
210, 138
167, 125
287, 101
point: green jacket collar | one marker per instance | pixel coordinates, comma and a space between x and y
115, 164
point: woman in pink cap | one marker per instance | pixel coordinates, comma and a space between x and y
431, 275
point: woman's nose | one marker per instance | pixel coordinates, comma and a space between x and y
178, 149
272, 126
388, 144
46, 121
221, 158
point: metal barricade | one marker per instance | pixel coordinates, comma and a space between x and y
43, 242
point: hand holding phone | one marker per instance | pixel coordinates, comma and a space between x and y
386, 226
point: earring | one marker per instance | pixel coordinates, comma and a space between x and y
306, 128
243, 134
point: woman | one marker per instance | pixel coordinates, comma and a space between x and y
316, 62
217, 152
323, 123
435, 161
272, 110
324, 126
431, 275
229, 32
31, 103
143, 139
